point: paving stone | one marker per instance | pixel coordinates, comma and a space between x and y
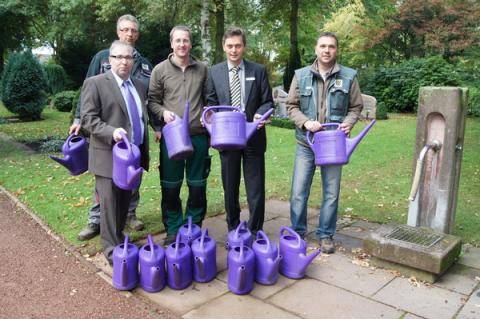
263, 292
222, 253
101, 263
217, 228
310, 298
460, 279
182, 301
275, 208
471, 310
338, 270
470, 257
347, 243
359, 229
410, 316
425, 301
272, 227
232, 306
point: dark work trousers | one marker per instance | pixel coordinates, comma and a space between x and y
254, 176
114, 206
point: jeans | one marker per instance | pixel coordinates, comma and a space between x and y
303, 171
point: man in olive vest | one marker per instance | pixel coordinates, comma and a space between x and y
322, 92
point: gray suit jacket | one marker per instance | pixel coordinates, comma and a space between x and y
258, 94
103, 110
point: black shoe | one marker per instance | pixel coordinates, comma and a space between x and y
327, 245
91, 231
169, 239
135, 224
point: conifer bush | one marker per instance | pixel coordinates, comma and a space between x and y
56, 78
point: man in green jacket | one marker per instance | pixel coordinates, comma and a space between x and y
178, 79
127, 32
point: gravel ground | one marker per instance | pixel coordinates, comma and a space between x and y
39, 278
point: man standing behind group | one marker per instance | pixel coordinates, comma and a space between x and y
127, 32
113, 103
323, 92
178, 79
242, 83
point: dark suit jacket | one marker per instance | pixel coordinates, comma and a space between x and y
103, 110
258, 95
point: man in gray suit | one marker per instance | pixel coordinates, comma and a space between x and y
242, 83
113, 103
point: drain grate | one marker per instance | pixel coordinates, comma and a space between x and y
414, 236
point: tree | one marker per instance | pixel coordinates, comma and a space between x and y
294, 62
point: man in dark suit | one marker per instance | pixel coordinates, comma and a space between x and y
113, 103
244, 84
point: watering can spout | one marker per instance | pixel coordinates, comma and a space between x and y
252, 127
305, 260
67, 161
351, 143
124, 273
177, 275
155, 274
133, 174
200, 264
241, 277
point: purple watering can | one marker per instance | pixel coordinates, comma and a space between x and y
125, 266
239, 235
241, 268
267, 259
189, 232
152, 266
75, 152
179, 264
126, 173
204, 251
230, 130
293, 250
332, 147
177, 136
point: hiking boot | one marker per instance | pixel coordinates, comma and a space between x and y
89, 232
169, 239
134, 224
327, 245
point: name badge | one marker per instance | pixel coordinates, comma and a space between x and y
250, 79
338, 83
145, 66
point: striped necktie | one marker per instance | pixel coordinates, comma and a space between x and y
235, 87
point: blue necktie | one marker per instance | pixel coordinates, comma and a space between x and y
133, 110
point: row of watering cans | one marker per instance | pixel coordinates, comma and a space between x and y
192, 257
228, 131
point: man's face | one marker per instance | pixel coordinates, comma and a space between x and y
181, 44
234, 49
121, 60
326, 50
127, 32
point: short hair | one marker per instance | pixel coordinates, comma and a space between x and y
235, 31
127, 17
118, 43
329, 35
181, 28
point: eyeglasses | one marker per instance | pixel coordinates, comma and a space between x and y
126, 30
128, 58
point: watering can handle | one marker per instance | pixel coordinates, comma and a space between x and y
261, 234
217, 107
126, 141
69, 138
202, 237
330, 124
152, 248
266, 115
177, 242
125, 246
291, 232
243, 224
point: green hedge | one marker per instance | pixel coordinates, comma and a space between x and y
56, 78
282, 122
64, 101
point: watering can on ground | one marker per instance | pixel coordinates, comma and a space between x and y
204, 251
293, 250
332, 147
125, 266
230, 130
177, 136
126, 172
267, 259
75, 152
179, 264
152, 266
189, 231
241, 268
239, 235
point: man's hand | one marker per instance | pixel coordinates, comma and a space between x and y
168, 116
256, 117
74, 128
312, 126
116, 134
345, 127
158, 136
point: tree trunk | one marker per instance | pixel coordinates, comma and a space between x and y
219, 29
2, 52
205, 32
294, 61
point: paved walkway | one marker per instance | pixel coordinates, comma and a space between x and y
342, 285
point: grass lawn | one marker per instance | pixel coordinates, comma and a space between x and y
375, 185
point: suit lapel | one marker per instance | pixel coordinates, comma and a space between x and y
249, 73
224, 79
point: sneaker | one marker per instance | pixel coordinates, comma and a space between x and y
91, 231
327, 245
169, 239
135, 224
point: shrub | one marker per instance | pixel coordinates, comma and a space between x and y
397, 86
56, 78
473, 102
51, 145
381, 111
282, 122
23, 86
63, 101
74, 105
